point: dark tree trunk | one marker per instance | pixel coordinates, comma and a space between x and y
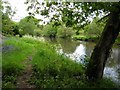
102, 50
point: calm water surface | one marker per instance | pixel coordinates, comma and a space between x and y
77, 50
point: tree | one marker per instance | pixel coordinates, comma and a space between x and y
94, 28
103, 47
7, 24
50, 30
7, 13
78, 14
27, 25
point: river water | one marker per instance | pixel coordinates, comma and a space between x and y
77, 50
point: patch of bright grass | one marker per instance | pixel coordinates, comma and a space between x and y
12, 58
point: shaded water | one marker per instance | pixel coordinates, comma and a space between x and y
78, 49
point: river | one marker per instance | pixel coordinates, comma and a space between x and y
77, 50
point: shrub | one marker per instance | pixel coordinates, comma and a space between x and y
27, 25
94, 28
8, 85
38, 32
49, 30
65, 32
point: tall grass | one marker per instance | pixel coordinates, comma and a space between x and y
52, 69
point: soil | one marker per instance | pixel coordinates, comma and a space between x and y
22, 79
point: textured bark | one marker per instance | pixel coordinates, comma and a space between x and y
102, 50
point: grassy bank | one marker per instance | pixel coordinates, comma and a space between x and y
85, 38
50, 69
92, 38
15, 51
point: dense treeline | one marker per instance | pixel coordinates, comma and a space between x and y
30, 26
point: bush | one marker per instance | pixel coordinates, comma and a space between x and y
37, 32
8, 85
9, 27
27, 25
94, 28
49, 30
64, 32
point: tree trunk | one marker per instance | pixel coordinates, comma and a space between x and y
102, 50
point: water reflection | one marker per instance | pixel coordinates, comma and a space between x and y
78, 54
77, 50
67, 45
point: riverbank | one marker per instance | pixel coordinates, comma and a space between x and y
49, 69
92, 38
85, 38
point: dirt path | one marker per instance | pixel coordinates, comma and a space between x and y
22, 80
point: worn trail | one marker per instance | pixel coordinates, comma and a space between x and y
22, 79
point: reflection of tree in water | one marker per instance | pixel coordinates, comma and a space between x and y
113, 62
89, 48
51, 40
114, 58
68, 45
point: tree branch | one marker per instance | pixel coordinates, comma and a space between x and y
103, 18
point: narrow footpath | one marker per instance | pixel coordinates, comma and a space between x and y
23, 78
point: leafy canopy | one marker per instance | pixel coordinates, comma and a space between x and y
71, 13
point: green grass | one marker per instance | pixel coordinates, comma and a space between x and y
85, 38
12, 59
50, 69
91, 38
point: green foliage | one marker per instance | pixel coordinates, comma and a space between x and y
85, 37
12, 59
12, 69
65, 32
53, 70
90, 32
50, 69
37, 32
94, 28
8, 85
7, 25
11, 79
74, 13
27, 25
49, 30
118, 40
1, 6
